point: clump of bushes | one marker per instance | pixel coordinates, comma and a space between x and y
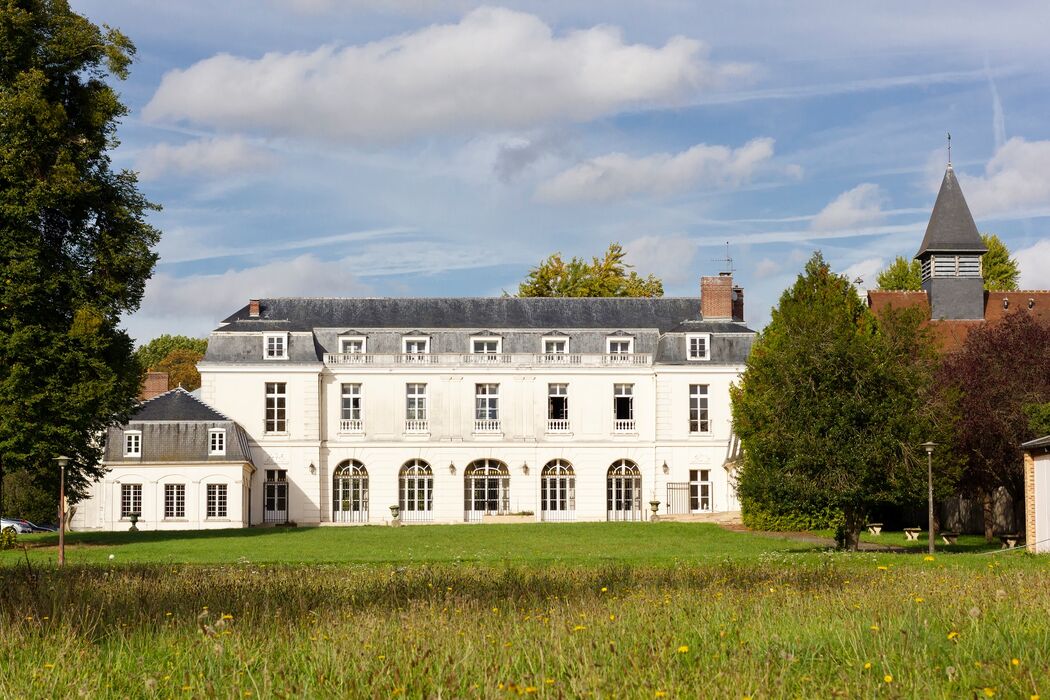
797, 518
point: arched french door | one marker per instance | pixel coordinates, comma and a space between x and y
350, 492
416, 491
557, 491
486, 489
623, 489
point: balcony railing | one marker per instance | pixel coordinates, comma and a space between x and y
487, 425
351, 425
417, 425
623, 425
453, 359
557, 425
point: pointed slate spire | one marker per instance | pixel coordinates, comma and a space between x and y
951, 228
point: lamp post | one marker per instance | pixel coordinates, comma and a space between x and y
928, 446
62, 462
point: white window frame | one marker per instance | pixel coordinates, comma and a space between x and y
486, 339
283, 337
619, 339
178, 501
554, 339
344, 339
130, 497
486, 393
132, 443
700, 392
425, 339
213, 501
217, 441
706, 337
415, 401
280, 413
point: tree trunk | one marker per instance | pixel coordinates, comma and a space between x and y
853, 526
988, 506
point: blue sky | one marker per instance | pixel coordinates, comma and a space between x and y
411, 147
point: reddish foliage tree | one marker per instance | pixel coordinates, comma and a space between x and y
1001, 369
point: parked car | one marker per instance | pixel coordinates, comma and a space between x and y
22, 527
45, 528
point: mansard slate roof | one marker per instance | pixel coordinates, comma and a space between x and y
951, 228
177, 404
302, 314
175, 429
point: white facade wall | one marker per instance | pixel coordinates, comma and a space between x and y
313, 446
101, 510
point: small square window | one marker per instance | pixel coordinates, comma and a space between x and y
485, 346
698, 346
415, 345
275, 346
352, 346
132, 444
620, 346
217, 441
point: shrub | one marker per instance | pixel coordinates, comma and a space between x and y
758, 517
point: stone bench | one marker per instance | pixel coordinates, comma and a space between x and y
912, 533
950, 537
1009, 539
875, 528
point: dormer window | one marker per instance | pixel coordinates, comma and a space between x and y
486, 346
620, 346
275, 346
217, 441
698, 346
555, 346
352, 345
132, 443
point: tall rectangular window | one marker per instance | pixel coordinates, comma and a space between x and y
130, 500
216, 505
416, 402
558, 401
351, 406
486, 402
174, 500
132, 444
699, 421
276, 407
217, 441
623, 401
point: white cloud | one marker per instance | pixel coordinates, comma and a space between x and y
496, 68
216, 156
1034, 263
856, 208
1015, 178
668, 257
767, 268
617, 175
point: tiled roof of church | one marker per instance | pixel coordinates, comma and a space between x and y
951, 228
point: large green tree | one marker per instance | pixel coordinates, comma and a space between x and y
1000, 271
177, 355
75, 248
608, 276
832, 405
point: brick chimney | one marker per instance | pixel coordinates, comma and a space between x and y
716, 297
738, 304
253, 308
156, 384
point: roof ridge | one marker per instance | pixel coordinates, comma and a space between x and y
181, 389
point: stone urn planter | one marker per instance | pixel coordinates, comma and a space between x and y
654, 506
395, 515
134, 518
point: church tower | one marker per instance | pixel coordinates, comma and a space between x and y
950, 255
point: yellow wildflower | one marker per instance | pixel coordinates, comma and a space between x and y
577, 628
1015, 662
919, 599
867, 665
927, 558
888, 678
661, 693
530, 689
604, 589
874, 628
953, 634
989, 692
683, 649
883, 568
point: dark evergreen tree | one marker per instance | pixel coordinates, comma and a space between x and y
833, 405
75, 249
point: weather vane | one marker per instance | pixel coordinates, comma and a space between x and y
949, 148
727, 261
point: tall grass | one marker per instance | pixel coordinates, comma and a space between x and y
816, 626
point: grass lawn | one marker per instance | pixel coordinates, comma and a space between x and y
611, 610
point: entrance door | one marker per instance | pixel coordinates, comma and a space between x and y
700, 490
275, 496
